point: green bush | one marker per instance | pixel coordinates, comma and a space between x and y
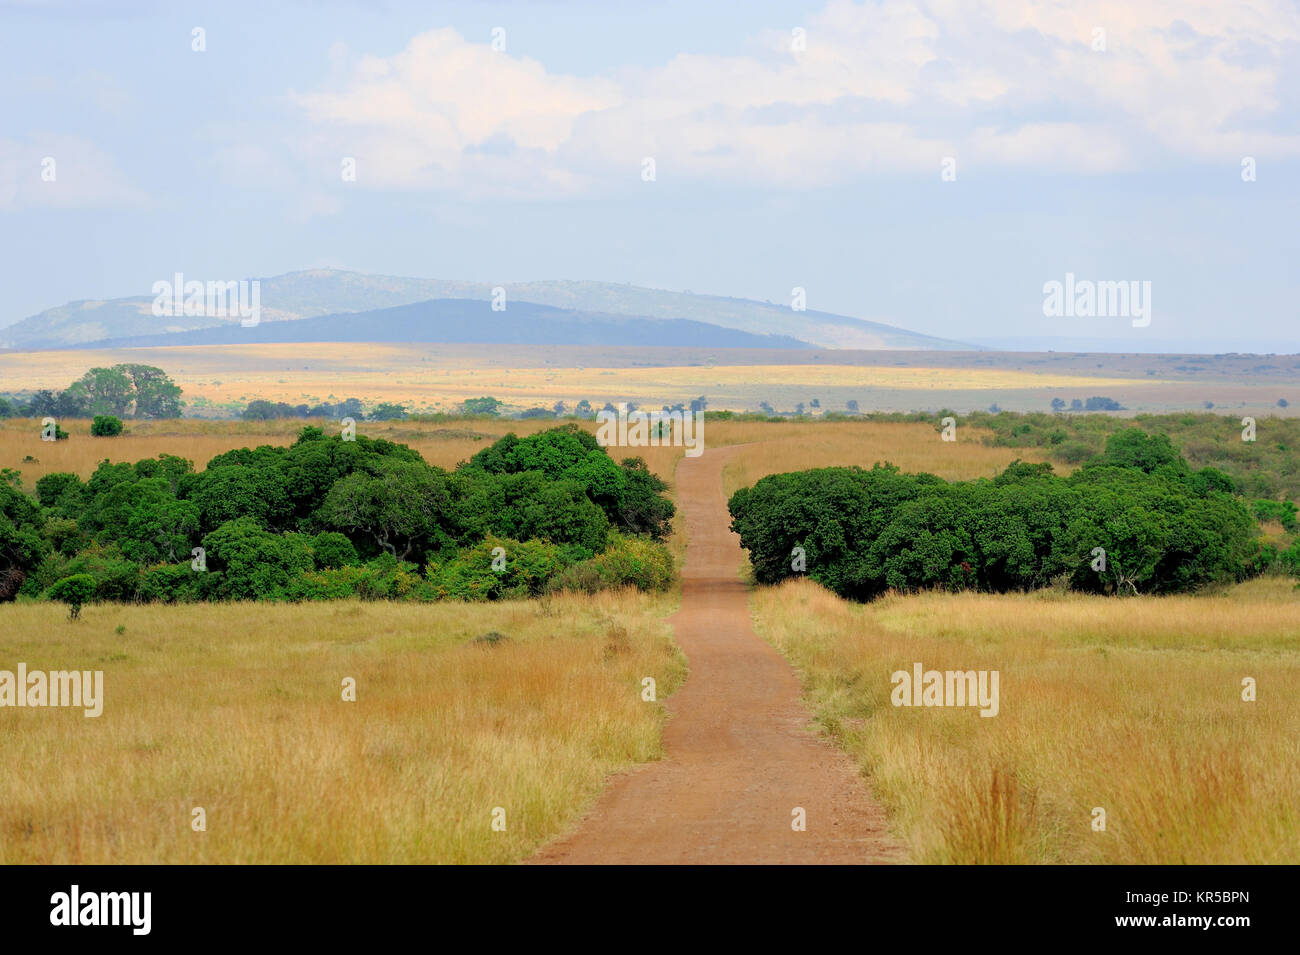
173, 583
522, 569
252, 563
332, 550
381, 579
115, 578
105, 426
74, 591
627, 562
1283, 512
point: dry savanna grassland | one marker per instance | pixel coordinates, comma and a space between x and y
1133, 706
1130, 705
221, 379
238, 709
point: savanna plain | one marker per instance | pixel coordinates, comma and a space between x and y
522, 710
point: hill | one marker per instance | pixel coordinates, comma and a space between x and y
318, 292
470, 321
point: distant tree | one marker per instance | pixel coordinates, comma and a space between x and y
69, 404
583, 409
388, 411
105, 390
699, 404
1282, 402
259, 410
559, 408
994, 409
1209, 405
798, 409
1058, 405
815, 403
1076, 405
766, 408
482, 405
1102, 404
156, 395
852, 405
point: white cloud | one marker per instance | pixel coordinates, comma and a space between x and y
884, 87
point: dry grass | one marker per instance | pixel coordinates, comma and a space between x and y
795, 446
1133, 705
444, 444
430, 376
238, 709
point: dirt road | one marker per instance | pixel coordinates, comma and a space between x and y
741, 755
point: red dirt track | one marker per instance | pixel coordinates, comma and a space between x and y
740, 752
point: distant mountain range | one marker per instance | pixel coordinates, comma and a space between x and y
581, 312
471, 321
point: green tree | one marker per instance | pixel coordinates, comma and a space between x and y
388, 411
107, 391
74, 591
396, 505
484, 405
254, 564
156, 395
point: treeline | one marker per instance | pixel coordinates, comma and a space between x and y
123, 391
1266, 467
328, 517
1136, 518
261, 410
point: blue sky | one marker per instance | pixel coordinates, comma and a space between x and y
776, 165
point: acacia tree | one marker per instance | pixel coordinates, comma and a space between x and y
156, 395
143, 389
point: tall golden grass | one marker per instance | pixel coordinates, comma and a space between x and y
445, 444
238, 709
430, 376
796, 446
1130, 705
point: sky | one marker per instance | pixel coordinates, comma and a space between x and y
932, 165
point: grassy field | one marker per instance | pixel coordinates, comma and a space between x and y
776, 446
432, 377
238, 709
1130, 705
794, 446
